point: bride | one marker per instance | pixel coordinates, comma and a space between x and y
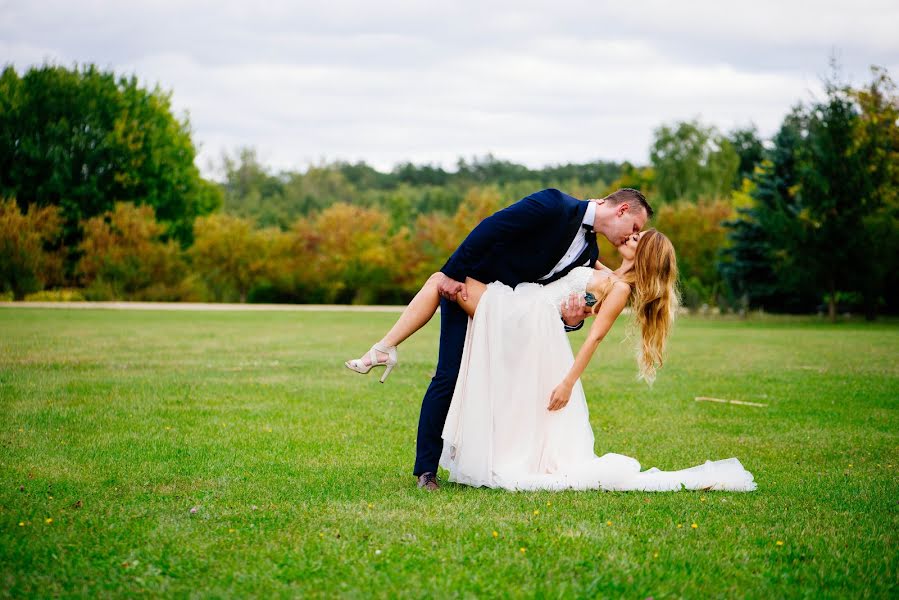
518, 418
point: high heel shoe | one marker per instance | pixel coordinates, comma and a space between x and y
359, 366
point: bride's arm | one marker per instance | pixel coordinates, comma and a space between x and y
609, 310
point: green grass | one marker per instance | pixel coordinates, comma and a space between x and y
116, 424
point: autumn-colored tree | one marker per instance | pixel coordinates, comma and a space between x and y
357, 259
697, 231
26, 264
230, 255
435, 238
124, 257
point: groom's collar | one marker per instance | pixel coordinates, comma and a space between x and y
589, 215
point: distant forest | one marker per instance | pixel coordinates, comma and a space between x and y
100, 199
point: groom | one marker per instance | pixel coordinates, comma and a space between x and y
538, 239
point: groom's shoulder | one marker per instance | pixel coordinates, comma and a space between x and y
553, 197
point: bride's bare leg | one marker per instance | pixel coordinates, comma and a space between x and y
424, 305
421, 309
417, 314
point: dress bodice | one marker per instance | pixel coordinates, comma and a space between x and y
575, 281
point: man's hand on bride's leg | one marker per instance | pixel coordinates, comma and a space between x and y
448, 288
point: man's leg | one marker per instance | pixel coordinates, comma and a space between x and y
435, 405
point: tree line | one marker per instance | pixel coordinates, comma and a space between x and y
100, 199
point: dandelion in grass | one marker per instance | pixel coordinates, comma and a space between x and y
608, 523
522, 549
536, 512
694, 525
48, 520
495, 534
779, 543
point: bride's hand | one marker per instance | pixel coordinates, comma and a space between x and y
560, 396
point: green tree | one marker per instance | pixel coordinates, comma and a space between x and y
832, 197
877, 144
756, 263
692, 161
82, 139
750, 150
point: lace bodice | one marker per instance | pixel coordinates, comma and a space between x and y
575, 281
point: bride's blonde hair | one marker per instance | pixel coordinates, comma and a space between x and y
654, 298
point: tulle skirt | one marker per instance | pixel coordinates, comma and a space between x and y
499, 433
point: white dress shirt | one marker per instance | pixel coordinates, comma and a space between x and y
577, 244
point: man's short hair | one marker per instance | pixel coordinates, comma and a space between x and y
633, 197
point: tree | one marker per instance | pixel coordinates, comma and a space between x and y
27, 259
357, 259
697, 231
832, 196
877, 144
230, 255
824, 218
124, 257
692, 161
83, 139
750, 150
756, 264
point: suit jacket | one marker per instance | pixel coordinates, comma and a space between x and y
524, 241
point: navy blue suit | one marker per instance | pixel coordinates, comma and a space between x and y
520, 243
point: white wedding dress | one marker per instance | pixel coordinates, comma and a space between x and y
498, 431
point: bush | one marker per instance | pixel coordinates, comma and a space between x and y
57, 295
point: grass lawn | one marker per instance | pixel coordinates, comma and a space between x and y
232, 454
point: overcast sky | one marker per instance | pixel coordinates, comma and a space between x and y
387, 81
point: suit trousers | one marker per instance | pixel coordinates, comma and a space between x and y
436, 403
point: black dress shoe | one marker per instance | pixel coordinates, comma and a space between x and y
428, 481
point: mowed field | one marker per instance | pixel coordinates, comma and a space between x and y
230, 454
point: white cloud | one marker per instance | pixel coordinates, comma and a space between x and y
396, 80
